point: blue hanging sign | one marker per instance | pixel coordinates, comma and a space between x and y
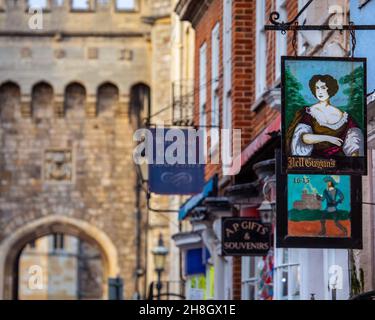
177, 167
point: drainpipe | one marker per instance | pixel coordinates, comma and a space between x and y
138, 239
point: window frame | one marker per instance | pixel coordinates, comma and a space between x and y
288, 266
134, 9
227, 83
91, 7
261, 50
45, 9
281, 48
203, 94
215, 81
250, 277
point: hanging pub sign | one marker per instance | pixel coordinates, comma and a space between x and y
176, 167
324, 115
245, 237
319, 211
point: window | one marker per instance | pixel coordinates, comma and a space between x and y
227, 76
261, 56
58, 241
203, 93
281, 40
125, 5
38, 4
257, 278
215, 100
287, 275
81, 5
250, 278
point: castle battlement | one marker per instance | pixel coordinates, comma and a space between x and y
103, 17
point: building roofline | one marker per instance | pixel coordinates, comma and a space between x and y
63, 34
192, 10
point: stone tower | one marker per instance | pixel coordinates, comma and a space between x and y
74, 84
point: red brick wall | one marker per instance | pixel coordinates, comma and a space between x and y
204, 29
243, 67
236, 278
243, 77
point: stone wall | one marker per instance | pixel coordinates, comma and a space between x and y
74, 165
65, 132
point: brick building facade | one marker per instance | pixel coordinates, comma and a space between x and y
249, 99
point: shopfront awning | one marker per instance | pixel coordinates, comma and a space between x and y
256, 144
210, 189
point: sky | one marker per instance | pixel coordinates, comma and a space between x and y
304, 70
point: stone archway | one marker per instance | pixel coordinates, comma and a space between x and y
11, 247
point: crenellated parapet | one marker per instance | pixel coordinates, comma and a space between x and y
107, 17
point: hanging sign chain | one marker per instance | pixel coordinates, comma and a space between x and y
294, 41
352, 35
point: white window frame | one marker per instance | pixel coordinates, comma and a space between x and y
227, 83
281, 47
130, 9
249, 279
79, 9
203, 94
261, 52
215, 98
45, 6
301, 48
292, 267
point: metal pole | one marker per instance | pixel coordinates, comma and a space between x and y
159, 285
334, 296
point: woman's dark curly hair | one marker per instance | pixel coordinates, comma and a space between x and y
331, 82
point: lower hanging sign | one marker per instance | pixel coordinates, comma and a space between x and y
245, 237
319, 211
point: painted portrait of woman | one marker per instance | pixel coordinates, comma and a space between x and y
322, 129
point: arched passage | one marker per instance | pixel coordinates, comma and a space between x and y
12, 246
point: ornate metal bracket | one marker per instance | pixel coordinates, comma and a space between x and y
293, 24
284, 26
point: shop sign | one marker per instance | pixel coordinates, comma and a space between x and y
245, 237
184, 176
324, 115
319, 211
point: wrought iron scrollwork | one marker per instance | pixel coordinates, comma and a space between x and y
352, 35
284, 26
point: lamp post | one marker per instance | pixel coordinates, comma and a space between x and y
160, 253
267, 211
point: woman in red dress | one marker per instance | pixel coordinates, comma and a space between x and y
323, 130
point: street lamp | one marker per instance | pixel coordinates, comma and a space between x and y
160, 253
267, 211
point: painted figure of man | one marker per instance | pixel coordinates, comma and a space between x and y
333, 196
